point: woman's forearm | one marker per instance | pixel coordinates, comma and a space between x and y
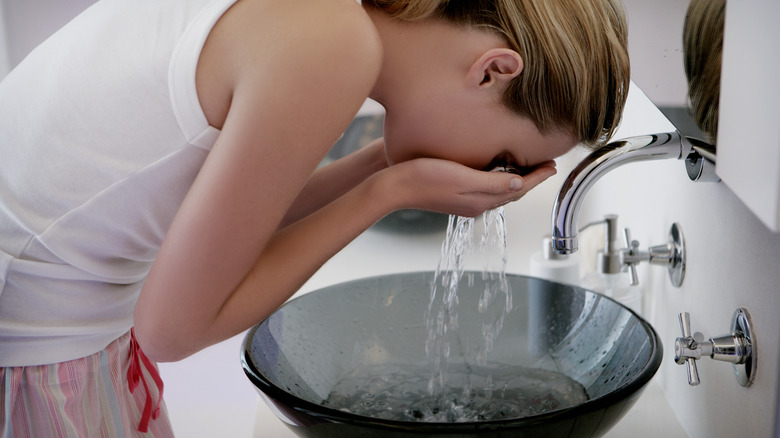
332, 181
289, 259
293, 254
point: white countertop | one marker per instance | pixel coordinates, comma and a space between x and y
208, 394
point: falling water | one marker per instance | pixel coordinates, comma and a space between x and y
441, 316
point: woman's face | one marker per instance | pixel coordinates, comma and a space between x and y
441, 87
471, 132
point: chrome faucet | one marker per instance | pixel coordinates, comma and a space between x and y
699, 158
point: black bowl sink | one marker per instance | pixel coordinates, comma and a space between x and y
350, 361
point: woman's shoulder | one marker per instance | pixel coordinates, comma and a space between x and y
261, 42
258, 29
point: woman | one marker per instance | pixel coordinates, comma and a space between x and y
159, 162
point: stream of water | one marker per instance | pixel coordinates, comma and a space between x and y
441, 316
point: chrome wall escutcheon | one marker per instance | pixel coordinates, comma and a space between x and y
742, 326
700, 162
675, 252
738, 348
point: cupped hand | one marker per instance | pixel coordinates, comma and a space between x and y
452, 188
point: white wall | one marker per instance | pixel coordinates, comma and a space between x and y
733, 258
733, 261
655, 45
24, 24
749, 95
4, 61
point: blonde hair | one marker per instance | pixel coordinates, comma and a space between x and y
576, 69
703, 47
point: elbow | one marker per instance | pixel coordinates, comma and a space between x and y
160, 344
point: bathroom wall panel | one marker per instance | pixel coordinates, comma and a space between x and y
26, 23
748, 134
732, 262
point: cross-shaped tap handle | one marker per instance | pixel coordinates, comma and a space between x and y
633, 247
685, 349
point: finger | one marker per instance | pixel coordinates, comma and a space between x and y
499, 183
550, 163
519, 185
499, 193
531, 180
537, 176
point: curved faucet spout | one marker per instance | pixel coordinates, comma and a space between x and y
567, 204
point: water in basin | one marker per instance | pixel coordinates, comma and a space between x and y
492, 392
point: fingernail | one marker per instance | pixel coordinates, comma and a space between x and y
516, 184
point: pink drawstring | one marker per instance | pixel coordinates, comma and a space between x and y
135, 375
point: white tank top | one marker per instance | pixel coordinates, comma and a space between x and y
101, 136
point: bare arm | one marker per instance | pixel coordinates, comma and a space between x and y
225, 263
295, 253
295, 73
335, 179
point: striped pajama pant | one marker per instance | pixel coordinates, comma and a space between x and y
113, 393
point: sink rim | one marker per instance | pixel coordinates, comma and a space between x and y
278, 395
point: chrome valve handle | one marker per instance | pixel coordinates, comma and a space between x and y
686, 349
670, 254
612, 260
633, 253
737, 347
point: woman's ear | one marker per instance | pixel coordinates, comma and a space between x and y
495, 66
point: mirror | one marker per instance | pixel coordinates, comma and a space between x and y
675, 50
702, 55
